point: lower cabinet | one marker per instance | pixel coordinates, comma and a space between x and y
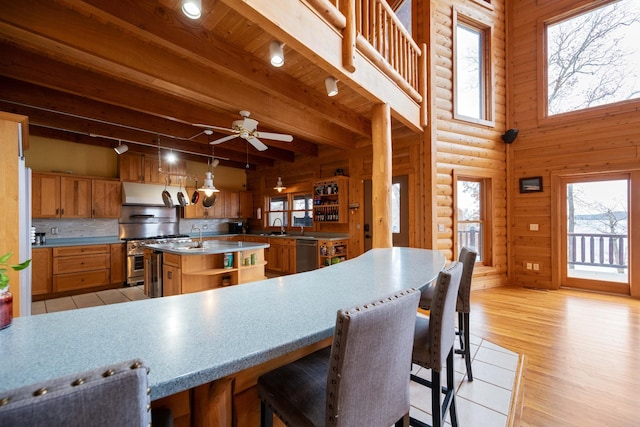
118, 263
81, 267
171, 275
41, 271
331, 252
282, 255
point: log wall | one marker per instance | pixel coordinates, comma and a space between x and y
598, 140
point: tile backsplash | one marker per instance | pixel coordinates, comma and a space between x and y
73, 228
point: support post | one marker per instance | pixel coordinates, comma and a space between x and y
381, 176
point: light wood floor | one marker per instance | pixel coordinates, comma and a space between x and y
582, 352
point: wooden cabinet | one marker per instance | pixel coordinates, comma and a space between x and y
106, 198
282, 255
66, 196
41, 271
331, 200
81, 267
139, 167
246, 204
332, 252
45, 195
118, 263
231, 204
227, 205
171, 275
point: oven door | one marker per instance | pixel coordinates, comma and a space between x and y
135, 269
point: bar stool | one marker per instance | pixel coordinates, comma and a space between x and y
110, 396
433, 343
361, 380
463, 305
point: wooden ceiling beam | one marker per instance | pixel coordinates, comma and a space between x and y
86, 42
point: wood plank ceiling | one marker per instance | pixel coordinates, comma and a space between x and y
139, 70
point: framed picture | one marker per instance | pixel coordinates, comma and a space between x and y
531, 185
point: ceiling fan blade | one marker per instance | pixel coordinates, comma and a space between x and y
275, 136
249, 124
257, 144
224, 139
201, 125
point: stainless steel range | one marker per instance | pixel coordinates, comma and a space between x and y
143, 225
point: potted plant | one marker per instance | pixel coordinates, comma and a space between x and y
6, 299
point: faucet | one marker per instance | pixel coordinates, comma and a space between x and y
199, 243
281, 225
302, 229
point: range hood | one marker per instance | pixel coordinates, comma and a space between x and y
134, 193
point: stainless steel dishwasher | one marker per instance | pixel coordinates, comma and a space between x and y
306, 255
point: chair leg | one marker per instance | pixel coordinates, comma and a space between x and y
266, 415
404, 421
461, 333
436, 405
450, 391
467, 346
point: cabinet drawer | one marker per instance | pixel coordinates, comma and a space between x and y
171, 259
73, 264
73, 281
80, 250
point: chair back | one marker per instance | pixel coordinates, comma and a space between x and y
468, 259
368, 380
442, 316
109, 396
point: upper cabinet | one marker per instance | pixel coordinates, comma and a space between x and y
228, 204
64, 196
138, 167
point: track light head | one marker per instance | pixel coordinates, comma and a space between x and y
276, 53
121, 148
192, 8
332, 86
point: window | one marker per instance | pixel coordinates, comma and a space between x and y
473, 216
290, 209
395, 207
403, 12
472, 83
592, 58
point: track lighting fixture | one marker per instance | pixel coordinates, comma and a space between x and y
276, 53
192, 8
331, 85
121, 148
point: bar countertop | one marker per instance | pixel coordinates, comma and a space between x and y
189, 340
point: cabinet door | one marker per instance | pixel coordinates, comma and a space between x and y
231, 204
218, 209
171, 280
246, 204
41, 271
131, 167
118, 263
75, 197
151, 167
176, 170
106, 198
45, 196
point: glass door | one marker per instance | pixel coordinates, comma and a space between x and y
596, 233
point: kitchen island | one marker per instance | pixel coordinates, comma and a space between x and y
214, 343
200, 266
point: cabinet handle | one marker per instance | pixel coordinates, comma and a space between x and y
61, 211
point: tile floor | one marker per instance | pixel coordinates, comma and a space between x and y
484, 402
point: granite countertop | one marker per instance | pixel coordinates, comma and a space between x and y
209, 247
189, 340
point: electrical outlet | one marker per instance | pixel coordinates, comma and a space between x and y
536, 267
441, 228
54, 230
528, 266
533, 227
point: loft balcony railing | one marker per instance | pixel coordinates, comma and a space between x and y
598, 250
373, 28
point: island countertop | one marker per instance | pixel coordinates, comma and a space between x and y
210, 247
192, 339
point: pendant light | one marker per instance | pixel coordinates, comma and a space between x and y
207, 187
279, 185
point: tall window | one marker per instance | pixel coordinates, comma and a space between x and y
473, 216
472, 71
278, 210
593, 59
302, 212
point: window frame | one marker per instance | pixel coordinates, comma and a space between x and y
486, 84
289, 211
486, 215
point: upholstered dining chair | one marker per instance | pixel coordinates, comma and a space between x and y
115, 395
361, 380
463, 306
433, 344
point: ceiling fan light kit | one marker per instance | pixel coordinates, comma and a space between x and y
192, 8
276, 53
332, 86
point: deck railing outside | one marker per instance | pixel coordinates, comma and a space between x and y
598, 250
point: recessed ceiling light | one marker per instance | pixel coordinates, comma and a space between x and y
192, 8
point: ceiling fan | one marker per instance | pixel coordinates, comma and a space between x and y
246, 129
